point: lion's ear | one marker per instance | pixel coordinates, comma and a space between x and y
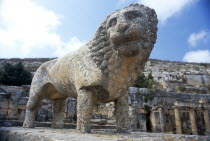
100, 29
152, 16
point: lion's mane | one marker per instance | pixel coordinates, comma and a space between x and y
101, 48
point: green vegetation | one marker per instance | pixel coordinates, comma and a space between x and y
143, 81
15, 75
182, 89
203, 64
149, 97
147, 107
183, 79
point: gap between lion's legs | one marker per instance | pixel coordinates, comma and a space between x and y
58, 110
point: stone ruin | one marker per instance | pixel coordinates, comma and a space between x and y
13, 101
179, 113
158, 111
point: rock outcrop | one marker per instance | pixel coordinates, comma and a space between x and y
193, 77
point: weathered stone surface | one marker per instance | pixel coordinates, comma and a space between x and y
46, 134
99, 72
196, 80
99, 121
30, 64
172, 75
144, 91
4, 107
133, 90
25, 90
170, 112
15, 92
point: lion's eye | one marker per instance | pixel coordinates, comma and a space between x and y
133, 14
112, 22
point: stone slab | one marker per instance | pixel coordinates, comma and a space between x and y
12, 123
49, 134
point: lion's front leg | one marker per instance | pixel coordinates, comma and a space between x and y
85, 104
122, 114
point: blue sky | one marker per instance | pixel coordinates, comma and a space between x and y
51, 28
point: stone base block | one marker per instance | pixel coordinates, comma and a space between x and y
48, 134
207, 133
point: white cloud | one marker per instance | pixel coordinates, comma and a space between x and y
194, 38
73, 44
122, 1
29, 30
199, 56
166, 8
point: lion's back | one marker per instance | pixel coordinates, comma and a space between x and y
42, 71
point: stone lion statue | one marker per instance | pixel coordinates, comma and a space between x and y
99, 72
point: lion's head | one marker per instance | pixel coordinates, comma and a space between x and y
128, 31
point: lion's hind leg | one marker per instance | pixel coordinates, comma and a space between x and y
33, 104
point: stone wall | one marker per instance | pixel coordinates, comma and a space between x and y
13, 102
169, 112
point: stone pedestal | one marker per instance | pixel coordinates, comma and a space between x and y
193, 122
177, 121
47, 134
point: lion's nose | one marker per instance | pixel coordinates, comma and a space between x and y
122, 27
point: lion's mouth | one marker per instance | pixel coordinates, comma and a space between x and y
126, 39
129, 49
128, 43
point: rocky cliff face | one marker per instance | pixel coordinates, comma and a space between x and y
185, 77
174, 76
30, 64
